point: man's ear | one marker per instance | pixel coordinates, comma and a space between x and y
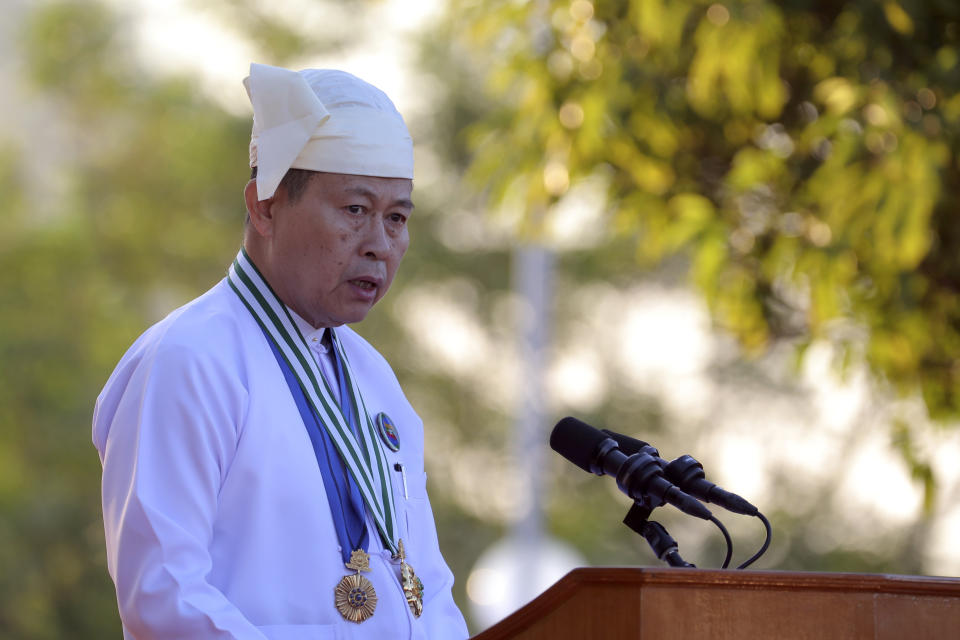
260, 211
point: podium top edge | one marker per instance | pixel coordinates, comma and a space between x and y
766, 579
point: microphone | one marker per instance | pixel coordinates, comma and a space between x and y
639, 475
687, 473
631, 445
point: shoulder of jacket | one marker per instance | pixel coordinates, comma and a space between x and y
213, 326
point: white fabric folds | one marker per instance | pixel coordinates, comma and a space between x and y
323, 120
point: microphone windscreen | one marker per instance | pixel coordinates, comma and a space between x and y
576, 441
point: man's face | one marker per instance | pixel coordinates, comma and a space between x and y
334, 252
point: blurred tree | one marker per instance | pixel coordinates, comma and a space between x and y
284, 34
138, 226
801, 154
796, 158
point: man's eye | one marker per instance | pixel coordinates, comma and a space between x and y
399, 218
355, 208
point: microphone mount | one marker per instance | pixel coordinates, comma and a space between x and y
662, 544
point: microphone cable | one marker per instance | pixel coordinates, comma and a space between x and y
727, 539
766, 542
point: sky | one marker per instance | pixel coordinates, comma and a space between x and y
177, 35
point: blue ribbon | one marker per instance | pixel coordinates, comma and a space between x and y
346, 503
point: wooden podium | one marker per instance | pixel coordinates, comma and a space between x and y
696, 603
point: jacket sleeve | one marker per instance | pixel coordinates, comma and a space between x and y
170, 423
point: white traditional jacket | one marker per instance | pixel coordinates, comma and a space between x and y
217, 523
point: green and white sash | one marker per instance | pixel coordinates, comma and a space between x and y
361, 456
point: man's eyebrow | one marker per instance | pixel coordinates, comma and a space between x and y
406, 203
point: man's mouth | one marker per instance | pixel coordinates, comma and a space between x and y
364, 284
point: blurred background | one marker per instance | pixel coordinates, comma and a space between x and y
727, 228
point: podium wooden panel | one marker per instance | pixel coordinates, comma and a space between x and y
724, 605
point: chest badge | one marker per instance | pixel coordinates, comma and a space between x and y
388, 432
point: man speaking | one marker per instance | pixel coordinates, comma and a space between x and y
262, 470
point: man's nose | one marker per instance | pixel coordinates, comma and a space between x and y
376, 240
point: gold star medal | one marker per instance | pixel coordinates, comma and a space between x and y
412, 586
355, 596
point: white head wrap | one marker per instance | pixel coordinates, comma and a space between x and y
323, 120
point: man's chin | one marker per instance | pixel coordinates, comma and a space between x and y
353, 316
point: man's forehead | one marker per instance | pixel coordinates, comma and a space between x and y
397, 190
